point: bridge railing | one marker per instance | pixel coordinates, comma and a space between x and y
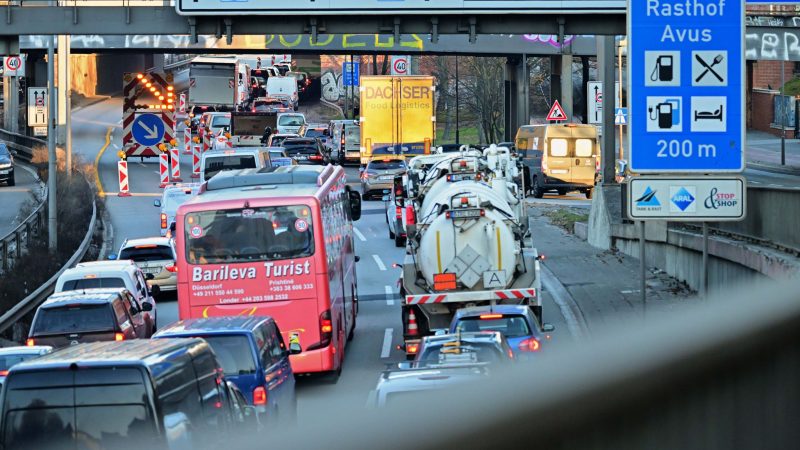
716, 375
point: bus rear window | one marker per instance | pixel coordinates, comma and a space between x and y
251, 234
217, 164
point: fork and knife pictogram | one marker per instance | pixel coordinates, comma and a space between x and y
709, 67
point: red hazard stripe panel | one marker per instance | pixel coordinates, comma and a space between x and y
440, 299
501, 295
518, 294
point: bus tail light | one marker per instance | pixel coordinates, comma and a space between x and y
259, 396
163, 221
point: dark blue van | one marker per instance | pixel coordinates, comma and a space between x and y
253, 356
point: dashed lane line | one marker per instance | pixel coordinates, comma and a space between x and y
379, 262
386, 349
389, 295
359, 235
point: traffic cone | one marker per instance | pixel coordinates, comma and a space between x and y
412, 323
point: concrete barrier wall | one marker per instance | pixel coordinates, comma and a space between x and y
773, 214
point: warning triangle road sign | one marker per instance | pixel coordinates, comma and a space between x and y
556, 112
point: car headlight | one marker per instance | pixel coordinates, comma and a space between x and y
5, 166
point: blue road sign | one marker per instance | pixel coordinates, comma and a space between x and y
621, 116
350, 72
147, 129
686, 85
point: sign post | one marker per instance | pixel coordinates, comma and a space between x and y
686, 86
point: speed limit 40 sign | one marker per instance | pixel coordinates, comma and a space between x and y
13, 66
401, 65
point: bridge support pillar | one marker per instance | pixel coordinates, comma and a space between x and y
63, 87
566, 99
517, 85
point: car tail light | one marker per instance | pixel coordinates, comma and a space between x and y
259, 396
315, 157
163, 220
398, 212
172, 268
412, 348
530, 345
119, 337
491, 316
30, 342
3, 373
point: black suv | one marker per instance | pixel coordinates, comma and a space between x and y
6, 165
307, 150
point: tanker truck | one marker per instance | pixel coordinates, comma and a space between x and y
468, 241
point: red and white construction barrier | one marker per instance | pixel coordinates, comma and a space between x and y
187, 141
207, 137
195, 161
163, 169
124, 185
175, 162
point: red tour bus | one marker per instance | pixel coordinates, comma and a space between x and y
277, 242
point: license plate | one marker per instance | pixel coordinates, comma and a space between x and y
386, 177
301, 157
153, 270
464, 213
3, 172
461, 177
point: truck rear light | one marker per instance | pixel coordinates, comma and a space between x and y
412, 349
119, 337
398, 212
259, 396
530, 345
163, 221
411, 219
30, 342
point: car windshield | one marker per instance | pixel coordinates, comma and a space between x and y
6, 361
233, 353
144, 253
387, 165
251, 234
217, 164
291, 121
73, 319
93, 283
483, 351
510, 325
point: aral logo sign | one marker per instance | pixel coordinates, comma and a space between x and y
682, 198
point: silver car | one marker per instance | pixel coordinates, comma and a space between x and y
156, 257
407, 383
174, 196
379, 176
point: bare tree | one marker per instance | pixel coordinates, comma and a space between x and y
483, 93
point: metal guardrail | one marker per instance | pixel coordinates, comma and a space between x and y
38, 296
24, 145
12, 243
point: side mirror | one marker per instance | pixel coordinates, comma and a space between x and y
157, 203
355, 204
155, 290
112, 257
294, 348
147, 307
548, 328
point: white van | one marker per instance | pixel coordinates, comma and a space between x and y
110, 274
216, 161
290, 122
283, 87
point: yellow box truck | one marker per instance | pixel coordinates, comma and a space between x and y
397, 116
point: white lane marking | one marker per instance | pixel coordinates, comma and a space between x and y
387, 343
358, 233
632, 291
379, 262
389, 295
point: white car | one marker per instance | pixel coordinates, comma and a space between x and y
285, 87
110, 274
290, 122
156, 257
395, 212
216, 161
174, 196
